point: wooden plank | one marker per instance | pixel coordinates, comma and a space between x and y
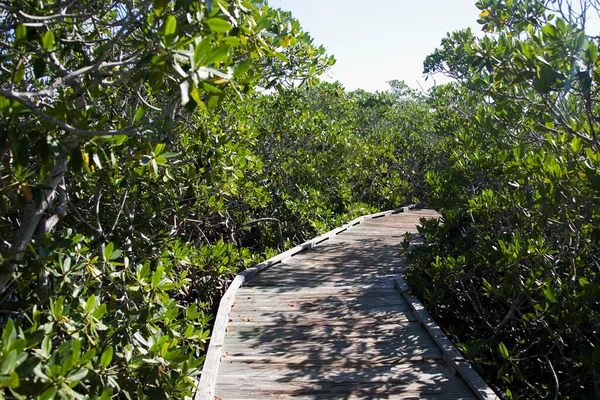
364, 385
332, 350
336, 281
312, 332
323, 322
426, 369
380, 314
279, 305
307, 360
344, 290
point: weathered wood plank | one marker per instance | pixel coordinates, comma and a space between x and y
323, 320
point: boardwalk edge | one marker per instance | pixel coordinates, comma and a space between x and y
208, 377
452, 356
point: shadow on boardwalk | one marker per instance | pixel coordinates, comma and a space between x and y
328, 323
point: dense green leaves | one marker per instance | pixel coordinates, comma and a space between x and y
127, 173
519, 201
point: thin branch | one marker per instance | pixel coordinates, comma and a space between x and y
556, 382
510, 314
97, 208
53, 16
81, 219
139, 95
120, 212
11, 94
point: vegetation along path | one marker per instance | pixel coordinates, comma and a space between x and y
327, 321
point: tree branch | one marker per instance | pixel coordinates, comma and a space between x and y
11, 94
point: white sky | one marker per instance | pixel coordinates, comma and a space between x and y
378, 41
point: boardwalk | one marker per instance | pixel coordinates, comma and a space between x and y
328, 323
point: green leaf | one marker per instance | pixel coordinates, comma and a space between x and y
116, 254
90, 303
9, 381
232, 40
46, 346
76, 349
170, 30
217, 55
48, 394
592, 53
139, 113
159, 7
87, 356
201, 50
106, 394
576, 144
157, 276
58, 308
8, 363
48, 41
218, 25
503, 350
528, 50
107, 356
9, 334
19, 72
211, 89
549, 294
281, 56
76, 376
108, 250
21, 33
242, 67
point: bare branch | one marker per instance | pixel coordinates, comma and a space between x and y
11, 94
119, 212
53, 17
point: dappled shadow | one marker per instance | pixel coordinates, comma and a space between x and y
328, 323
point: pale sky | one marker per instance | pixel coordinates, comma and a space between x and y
378, 41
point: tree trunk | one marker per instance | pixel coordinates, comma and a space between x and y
33, 215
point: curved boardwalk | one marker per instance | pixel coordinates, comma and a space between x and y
328, 323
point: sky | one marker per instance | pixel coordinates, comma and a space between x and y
378, 41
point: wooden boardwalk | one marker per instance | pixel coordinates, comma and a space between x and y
328, 323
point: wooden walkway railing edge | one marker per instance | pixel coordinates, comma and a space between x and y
452, 356
206, 383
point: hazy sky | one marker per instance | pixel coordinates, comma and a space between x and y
377, 41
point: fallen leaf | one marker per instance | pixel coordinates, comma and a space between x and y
245, 319
225, 354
